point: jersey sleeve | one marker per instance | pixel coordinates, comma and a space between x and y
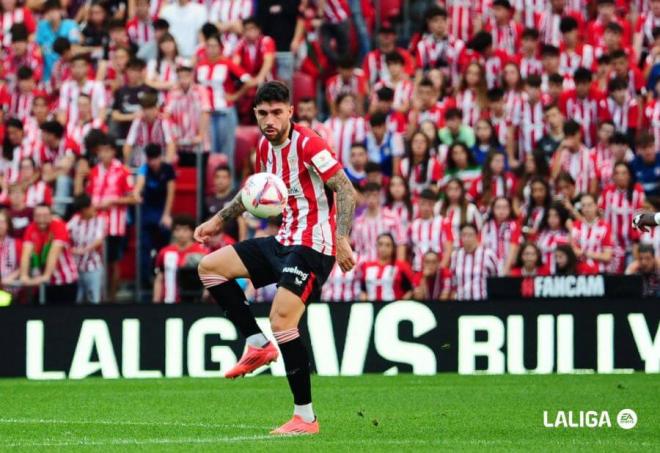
319, 155
60, 233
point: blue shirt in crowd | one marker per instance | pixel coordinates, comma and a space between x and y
648, 175
46, 36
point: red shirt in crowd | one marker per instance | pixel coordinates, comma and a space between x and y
66, 271
386, 282
168, 262
109, 184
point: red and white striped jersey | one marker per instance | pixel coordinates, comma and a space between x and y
366, 230
38, 193
20, 15
341, 286
618, 210
500, 186
592, 237
500, 237
507, 37
469, 272
344, 134
216, 77
185, 109
467, 102
418, 179
579, 165
530, 66
163, 71
531, 127
376, 70
547, 242
585, 111
462, 14
454, 216
336, 11
168, 262
403, 91
20, 103
83, 233
305, 163
336, 85
645, 25
10, 254
32, 58
436, 114
652, 119
386, 282
224, 11
78, 131
532, 216
71, 90
433, 52
529, 10
110, 184
65, 271
428, 235
140, 32
548, 26
252, 54
65, 148
595, 34
142, 132
623, 116
583, 56
401, 209
501, 126
24, 150
513, 101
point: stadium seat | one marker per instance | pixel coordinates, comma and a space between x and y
303, 87
247, 138
389, 9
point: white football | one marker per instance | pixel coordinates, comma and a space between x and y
264, 195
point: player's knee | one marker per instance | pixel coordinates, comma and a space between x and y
281, 320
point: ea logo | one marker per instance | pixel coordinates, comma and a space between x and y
626, 418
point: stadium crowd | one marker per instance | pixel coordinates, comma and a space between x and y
501, 139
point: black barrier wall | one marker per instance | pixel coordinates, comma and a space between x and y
149, 341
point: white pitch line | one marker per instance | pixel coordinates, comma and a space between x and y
28, 421
193, 440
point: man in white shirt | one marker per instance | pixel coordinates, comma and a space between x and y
186, 19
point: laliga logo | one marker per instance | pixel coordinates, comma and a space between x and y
626, 419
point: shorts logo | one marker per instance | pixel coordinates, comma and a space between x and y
300, 275
324, 160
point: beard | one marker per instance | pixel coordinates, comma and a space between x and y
279, 136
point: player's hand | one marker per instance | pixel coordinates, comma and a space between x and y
643, 221
344, 254
208, 229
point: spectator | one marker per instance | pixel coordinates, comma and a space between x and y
502, 234
396, 121
566, 262
149, 50
426, 105
647, 266
21, 53
357, 173
184, 253
534, 165
399, 201
20, 213
185, 18
554, 134
374, 65
457, 209
46, 258
583, 104
22, 97
529, 262
573, 157
87, 230
528, 58
385, 278
228, 16
438, 49
78, 130
486, 141
455, 130
280, 20
162, 70
349, 79
347, 128
472, 95
188, 107
553, 231
57, 155
471, 265
430, 232
567, 194
95, 32
494, 181
647, 168
53, 25
141, 28
619, 202
38, 192
110, 186
461, 164
10, 253
429, 280
384, 147
61, 68
223, 194
373, 221
13, 14
621, 108
126, 103
419, 168
216, 73
342, 286
307, 112
500, 135
529, 122
592, 236
154, 190
539, 202
149, 127
398, 82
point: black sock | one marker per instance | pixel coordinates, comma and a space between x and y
231, 297
296, 363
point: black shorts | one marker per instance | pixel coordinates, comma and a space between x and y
302, 270
115, 247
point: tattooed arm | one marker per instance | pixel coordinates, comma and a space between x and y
211, 227
346, 199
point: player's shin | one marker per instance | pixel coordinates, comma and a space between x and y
229, 295
296, 362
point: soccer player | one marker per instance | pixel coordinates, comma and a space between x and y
299, 258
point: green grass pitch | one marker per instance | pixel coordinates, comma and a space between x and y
367, 413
